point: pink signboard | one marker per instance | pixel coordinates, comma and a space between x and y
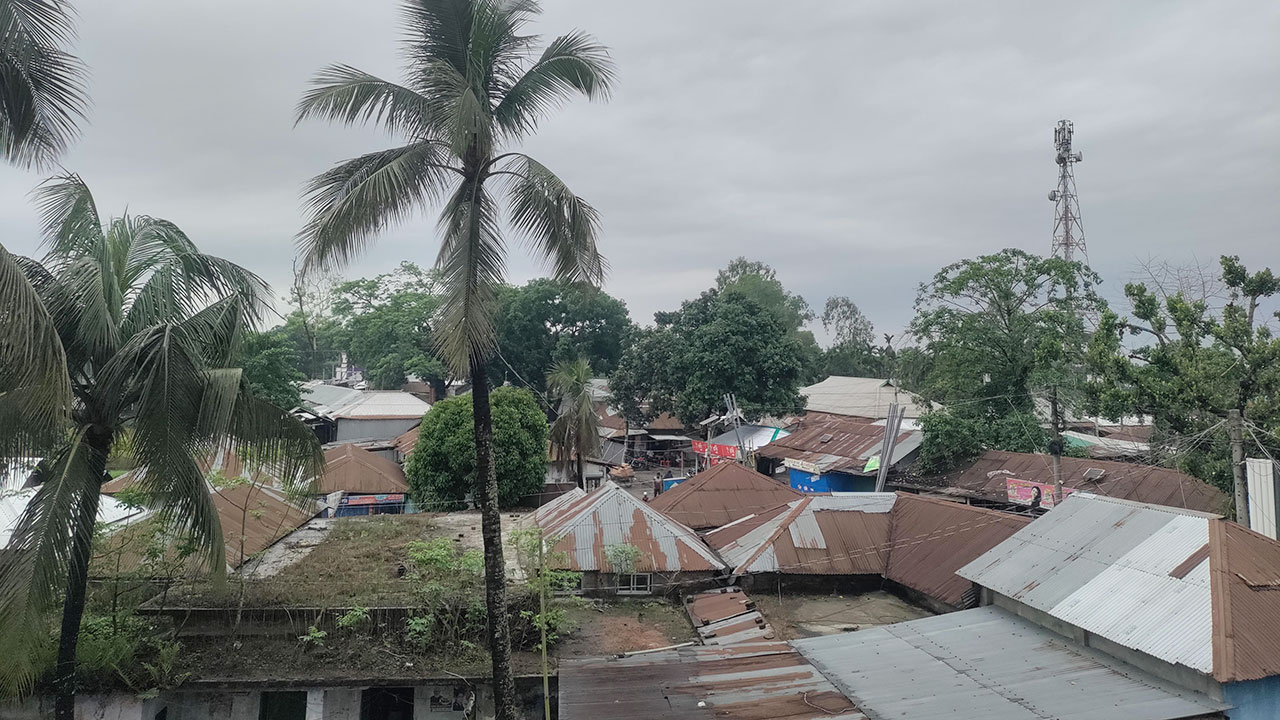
1024, 492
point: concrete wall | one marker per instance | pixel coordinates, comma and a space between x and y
356, 429
116, 706
1254, 699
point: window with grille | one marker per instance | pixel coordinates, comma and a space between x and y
635, 584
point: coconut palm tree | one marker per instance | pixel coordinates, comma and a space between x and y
124, 331
474, 88
42, 93
575, 434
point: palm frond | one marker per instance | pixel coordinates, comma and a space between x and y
471, 262
42, 89
158, 376
35, 389
35, 566
561, 226
349, 95
69, 219
572, 63
352, 202
438, 32
270, 437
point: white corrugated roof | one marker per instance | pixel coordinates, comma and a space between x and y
383, 404
861, 397
1108, 566
14, 502
989, 664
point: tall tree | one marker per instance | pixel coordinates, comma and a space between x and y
759, 282
999, 328
546, 321
270, 365
474, 88
575, 433
846, 323
1186, 365
722, 342
123, 330
387, 326
42, 89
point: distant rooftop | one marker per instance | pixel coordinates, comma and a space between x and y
861, 397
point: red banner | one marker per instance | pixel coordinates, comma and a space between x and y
705, 449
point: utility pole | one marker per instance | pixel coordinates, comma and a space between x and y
731, 404
891, 426
1055, 446
1235, 429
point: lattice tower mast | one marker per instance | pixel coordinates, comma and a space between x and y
1068, 233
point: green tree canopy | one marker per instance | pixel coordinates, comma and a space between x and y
1186, 365
546, 321
270, 364
721, 342
442, 468
759, 282
999, 328
387, 326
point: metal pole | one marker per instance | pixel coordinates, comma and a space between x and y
1055, 447
1235, 428
891, 426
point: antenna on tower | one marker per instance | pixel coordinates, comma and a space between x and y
1068, 233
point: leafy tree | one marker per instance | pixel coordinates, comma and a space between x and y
1191, 366
442, 468
270, 365
998, 329
123, 328
846, 323
722, 342
473, 91
318, 341
759, 282
548, 321
387, 326
575, 434
43, 85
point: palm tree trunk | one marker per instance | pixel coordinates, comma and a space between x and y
495, 574
77, 583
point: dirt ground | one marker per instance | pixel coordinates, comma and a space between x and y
609, 628
802, 616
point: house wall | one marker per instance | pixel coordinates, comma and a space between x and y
373, 429
830, 482
1253, 699
604, 583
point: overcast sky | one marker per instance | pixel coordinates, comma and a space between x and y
855, 146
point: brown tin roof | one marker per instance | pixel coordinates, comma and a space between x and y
406, 441
721, 494
350, 468
1244, 579
836, 443
748, 681
930, 539
986, 479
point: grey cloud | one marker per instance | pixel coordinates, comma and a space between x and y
857, 147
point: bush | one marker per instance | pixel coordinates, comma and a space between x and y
442, 468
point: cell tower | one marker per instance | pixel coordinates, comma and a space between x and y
1068, 233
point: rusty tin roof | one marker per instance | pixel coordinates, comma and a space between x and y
584, 525
353, 469
721, 494
839, 444
987, 479
748, 681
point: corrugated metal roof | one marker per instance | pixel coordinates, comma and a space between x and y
750, 681
841, 534
753, 436
987, 479
1175, 584
14, 502
727, 616
350, 468
987, 663
586, 524
264, 511
405, 442
1245, 579
836, 444
861, 397
382, 405
721, 494
931, 539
